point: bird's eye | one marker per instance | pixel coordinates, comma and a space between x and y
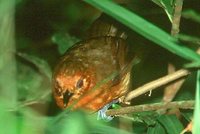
79, 83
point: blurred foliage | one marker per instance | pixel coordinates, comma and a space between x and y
64, 41
197, 106
44, 30
191, 14
167, 5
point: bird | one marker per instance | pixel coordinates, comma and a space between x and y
95, 71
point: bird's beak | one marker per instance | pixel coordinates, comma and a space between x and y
66, 96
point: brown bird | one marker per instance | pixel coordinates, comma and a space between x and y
96, 71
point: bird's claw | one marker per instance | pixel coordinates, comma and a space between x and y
102, 112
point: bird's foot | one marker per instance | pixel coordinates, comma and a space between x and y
102, 112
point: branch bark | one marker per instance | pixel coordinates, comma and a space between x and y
176, 17
172, 89
151, 107
157, 83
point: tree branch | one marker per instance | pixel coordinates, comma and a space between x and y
151, 107
157, 83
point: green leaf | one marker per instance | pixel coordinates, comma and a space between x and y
145, 28
187, 115
8, 90
39, 63
9, 122
30, 121
33, 79
105, 129
171, 124
188, 38
64, 41
80, 123
192, 65
167, 5
157, 129
196, 126
74, 125
191, 14
149, 117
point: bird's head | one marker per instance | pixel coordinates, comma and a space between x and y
70, 82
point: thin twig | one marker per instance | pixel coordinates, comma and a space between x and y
172, 89
24, 104
151, 107
156, 83
176, 17
188, 128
